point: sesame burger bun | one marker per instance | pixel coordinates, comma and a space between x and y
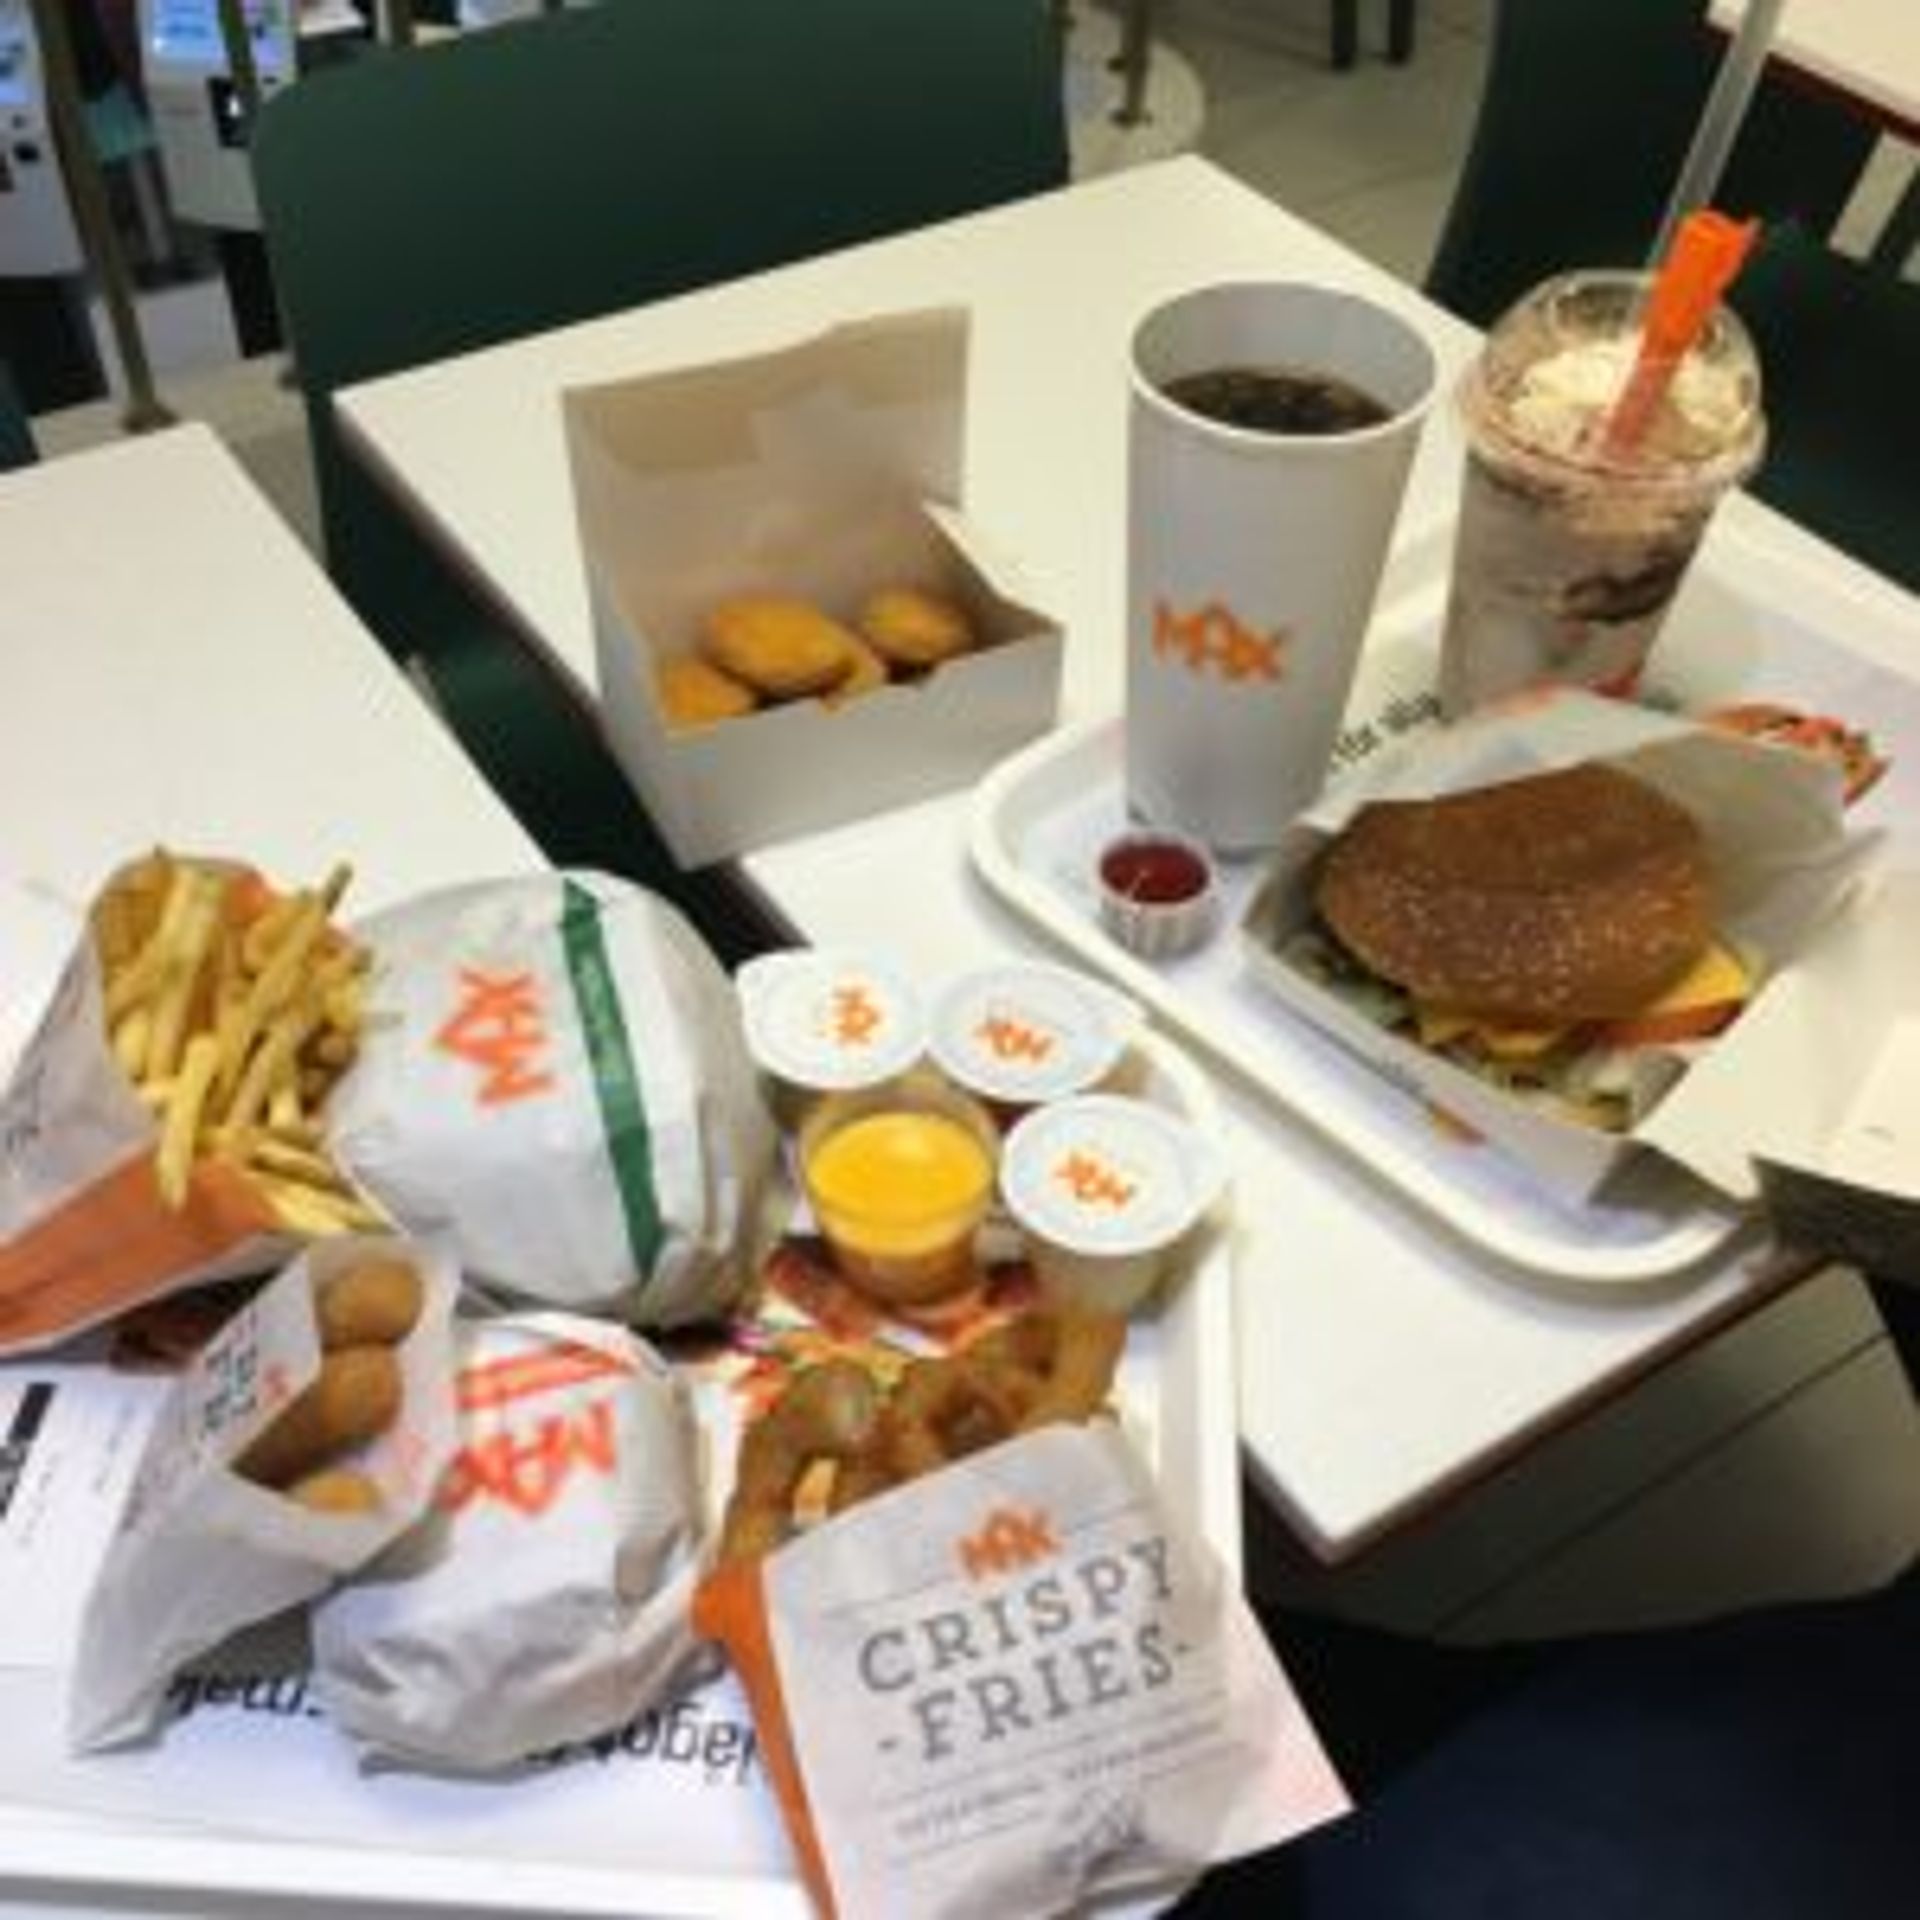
1563, 897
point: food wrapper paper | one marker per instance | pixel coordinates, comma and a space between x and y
1011, 1685
1822, 1118
201, 1552
84, 1232
1783, 862
547, 1597
554, 1075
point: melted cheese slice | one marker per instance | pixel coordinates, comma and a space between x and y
1718, 978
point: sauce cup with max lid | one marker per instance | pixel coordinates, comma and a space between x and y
1020, 1033
819, 1021
1107, 1190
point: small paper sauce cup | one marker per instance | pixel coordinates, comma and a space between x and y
819, 1022
1106, 1190
900, 1178
1021, 1033
1158, 896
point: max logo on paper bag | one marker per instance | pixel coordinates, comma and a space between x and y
499, 1028
1214, 640
1039, 1636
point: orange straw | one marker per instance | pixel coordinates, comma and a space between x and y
1707, 252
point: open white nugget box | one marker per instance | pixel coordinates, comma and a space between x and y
824, 472
1782, 866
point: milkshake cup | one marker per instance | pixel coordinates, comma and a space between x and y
1571, 544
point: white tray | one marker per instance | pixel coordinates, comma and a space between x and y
240, 1805
1748, 627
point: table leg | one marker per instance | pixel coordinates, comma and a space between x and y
1400, 24
1136, 45
1346, 33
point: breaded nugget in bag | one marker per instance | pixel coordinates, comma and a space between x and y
270, 1472
554, 1073
547, 1598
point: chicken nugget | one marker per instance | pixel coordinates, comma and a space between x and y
354, 1396
695, 693
373, 1304
868, 675
914, 629
336, 1490
783, 649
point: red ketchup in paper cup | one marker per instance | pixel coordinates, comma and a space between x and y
821, 1022
1106, 1190
1019, 1034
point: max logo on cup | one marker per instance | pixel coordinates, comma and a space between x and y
1018, 1656
1092, 1181
1008, 1038
1213, 639
853, 1019
499, 1028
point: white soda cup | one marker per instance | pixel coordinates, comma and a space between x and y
1254, 555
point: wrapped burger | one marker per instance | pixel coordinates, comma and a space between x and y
553, 1071
547, 1596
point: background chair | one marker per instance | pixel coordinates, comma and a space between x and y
421, 204
1839, 344
16, 432
1587, 114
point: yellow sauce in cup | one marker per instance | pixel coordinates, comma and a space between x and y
899, 1193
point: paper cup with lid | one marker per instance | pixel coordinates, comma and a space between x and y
1107, 1190
821, 1021
1020, 1033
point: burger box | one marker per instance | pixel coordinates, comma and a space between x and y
1782, 863
1834, 1148
823, 471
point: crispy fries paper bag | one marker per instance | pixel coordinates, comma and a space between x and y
547, 1597
1013, 1684
553, 1071
202, 1551
86, 1231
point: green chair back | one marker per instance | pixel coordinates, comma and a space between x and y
1587, 114
1839, 345
421, 204
16, 433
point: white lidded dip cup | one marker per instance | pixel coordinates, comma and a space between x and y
820, 1021
1019, 1033
1106, 1190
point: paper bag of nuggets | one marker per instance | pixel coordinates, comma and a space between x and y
302, 1440
1009, 1685
165, 1122
547, 1596
554, 1073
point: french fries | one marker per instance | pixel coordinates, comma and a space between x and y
233, 1010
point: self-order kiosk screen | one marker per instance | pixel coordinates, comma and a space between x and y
187, 32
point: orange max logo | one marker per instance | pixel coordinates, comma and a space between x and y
1092, 1182
498, 1029
1007, 1541
1214, 640
1009, 1039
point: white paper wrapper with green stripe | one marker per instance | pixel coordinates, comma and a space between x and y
553, 1073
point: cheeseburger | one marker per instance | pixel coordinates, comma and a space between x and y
1535, 932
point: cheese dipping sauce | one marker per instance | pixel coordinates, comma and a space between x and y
899, 1188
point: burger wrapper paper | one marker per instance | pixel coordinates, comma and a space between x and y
201, 1552
548, 1595
1012, 1685
1832, 1142
1782, 860
553, 1074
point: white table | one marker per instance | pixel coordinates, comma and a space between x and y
1866, 49
1382, 1365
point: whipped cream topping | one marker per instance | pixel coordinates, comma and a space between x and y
1560, 401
